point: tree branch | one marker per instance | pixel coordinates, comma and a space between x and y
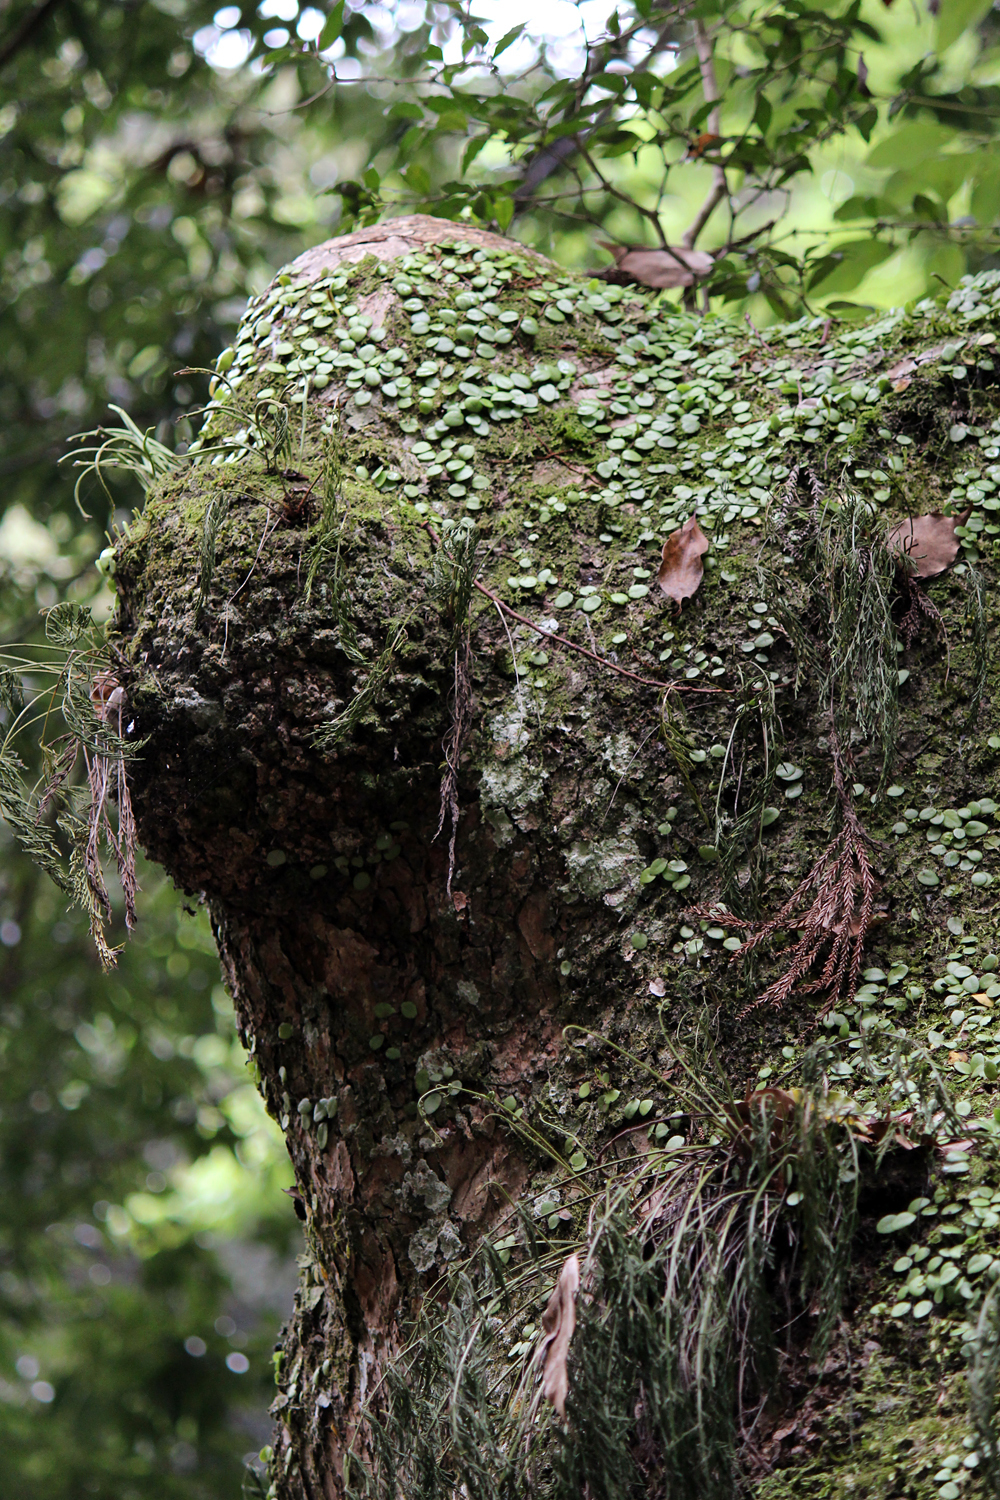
710, 88
548, 159
23, 33
650, 214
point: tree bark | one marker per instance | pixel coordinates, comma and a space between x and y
297, 739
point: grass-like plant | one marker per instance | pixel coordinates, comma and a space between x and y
836, 610
689, 1255
983, 1381
746, 783
265, 428
125, 448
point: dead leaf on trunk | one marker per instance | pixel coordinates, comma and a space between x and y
675, 266
928, 543
559, 1321
681, 570
904, 368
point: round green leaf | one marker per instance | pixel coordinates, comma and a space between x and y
892, 1223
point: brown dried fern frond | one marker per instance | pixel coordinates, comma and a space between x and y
107, 784
833, 909
60, 768
919, 607
837, 920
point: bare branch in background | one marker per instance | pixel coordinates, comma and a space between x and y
540, 167
710, 87
22, 34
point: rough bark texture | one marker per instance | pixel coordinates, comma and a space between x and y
297, 706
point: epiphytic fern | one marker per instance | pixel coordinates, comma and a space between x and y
85, 699
832, 909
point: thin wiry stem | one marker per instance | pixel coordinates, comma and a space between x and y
710, 88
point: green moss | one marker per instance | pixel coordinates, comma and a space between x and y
886, 1434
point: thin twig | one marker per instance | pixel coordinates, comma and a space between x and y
513, 657
601, 661
710, 88
574, 468
618, 784
650, 214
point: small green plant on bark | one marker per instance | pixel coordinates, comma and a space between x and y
83, 697
671, 1352
124, 449
367, 696
836, 609
983, 1380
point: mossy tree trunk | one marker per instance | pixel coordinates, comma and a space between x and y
295, 663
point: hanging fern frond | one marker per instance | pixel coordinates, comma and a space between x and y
21, 817
85, 695
11, 690
366, 697
67, 624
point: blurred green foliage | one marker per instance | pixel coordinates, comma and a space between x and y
157, 162
814, 149
146, 1251
143, 1237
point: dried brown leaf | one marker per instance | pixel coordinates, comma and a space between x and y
125, 847
674, 266
681, 570
559, 1321
945, 1146
911, 362
902, 368
106, 695
928, 542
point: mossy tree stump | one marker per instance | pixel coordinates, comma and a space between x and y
294, 660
